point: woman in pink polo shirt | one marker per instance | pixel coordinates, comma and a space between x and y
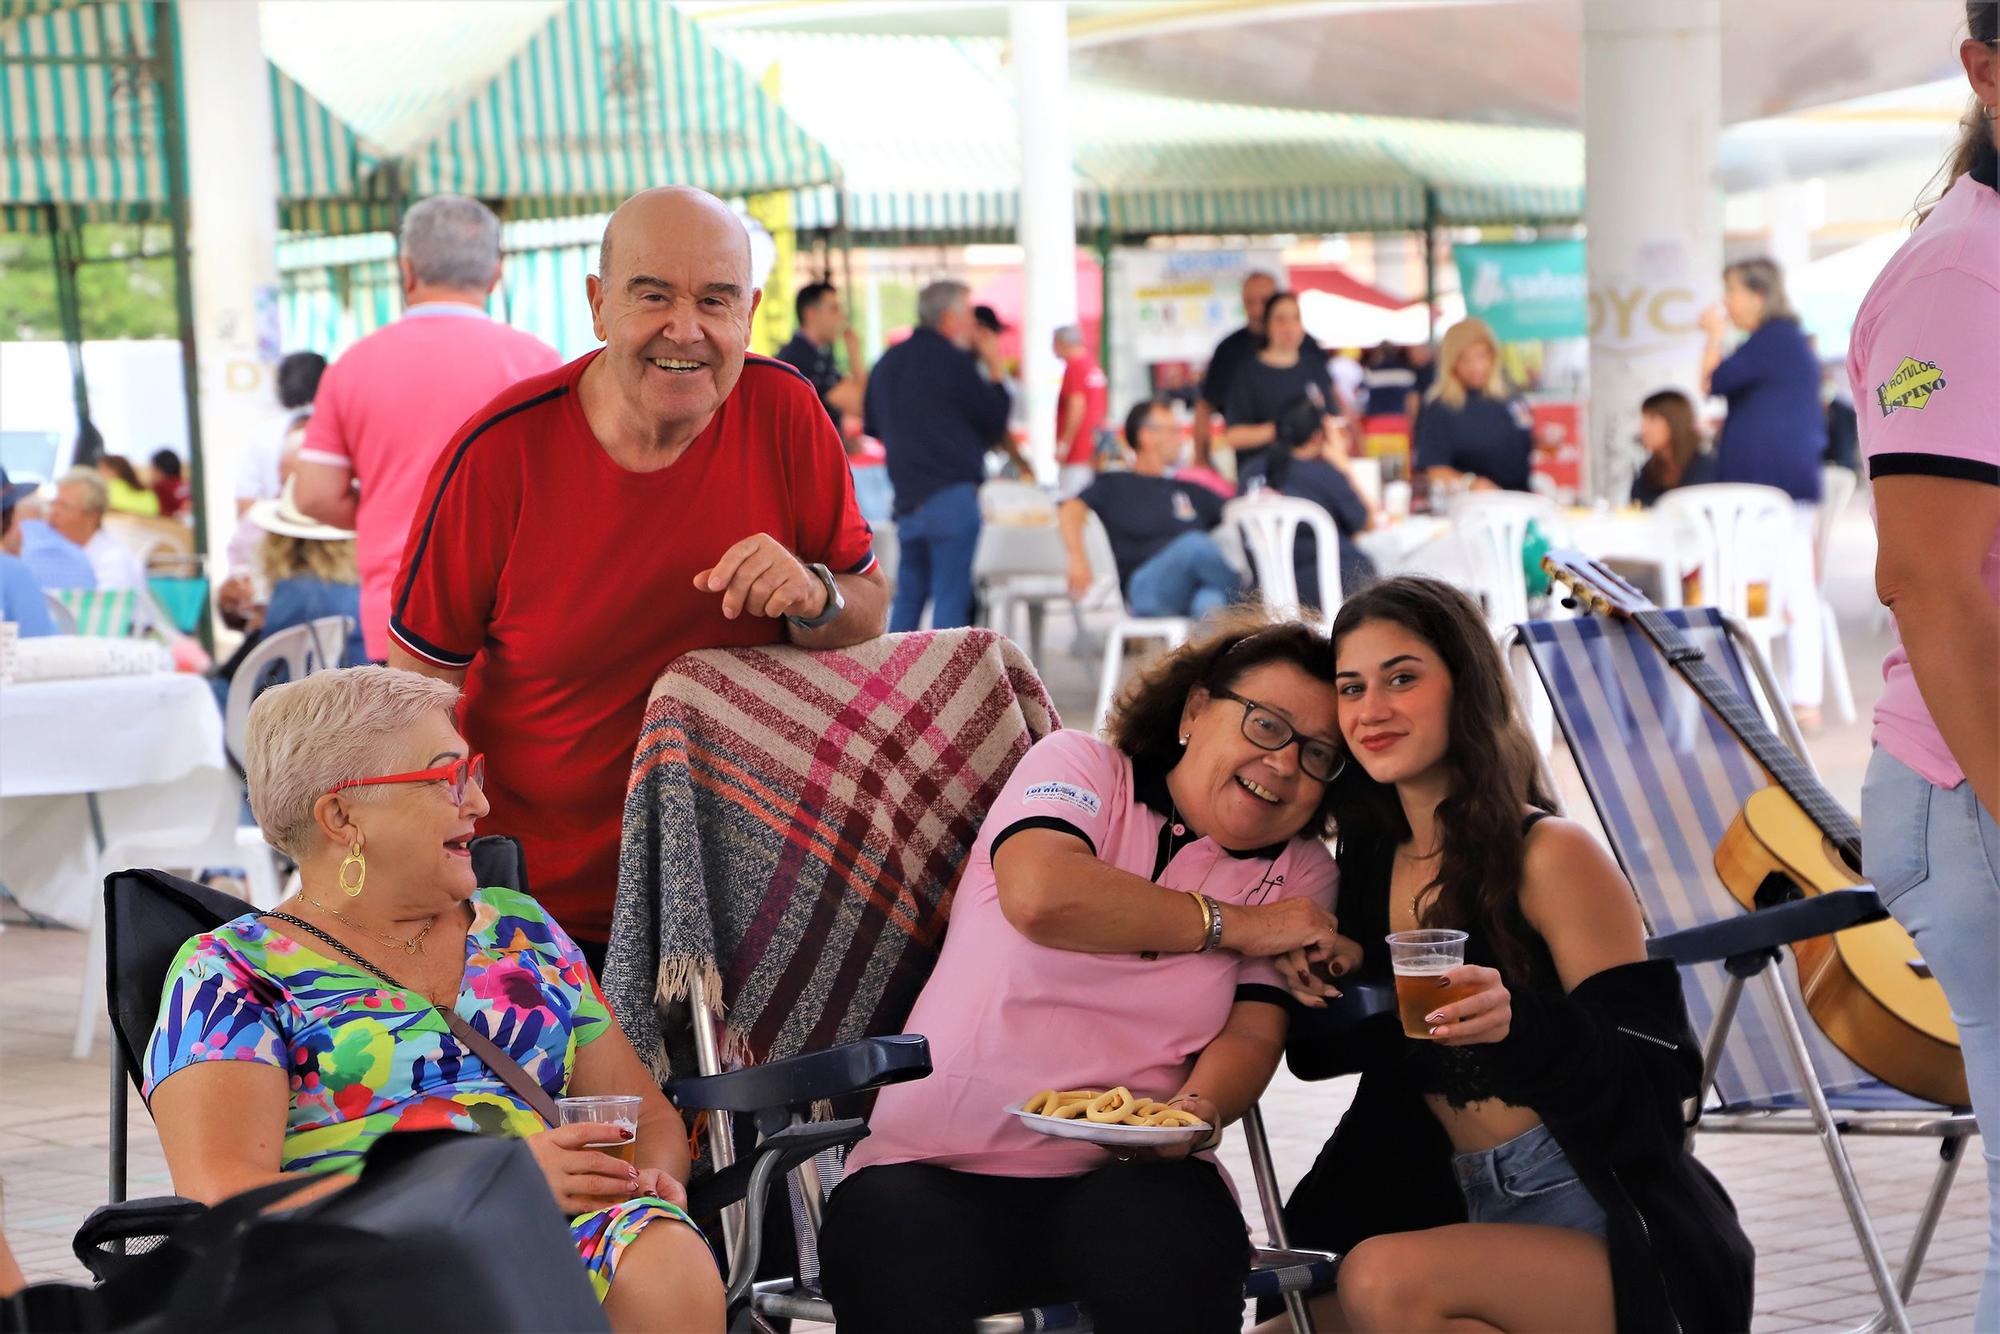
1925, 365
1115, 926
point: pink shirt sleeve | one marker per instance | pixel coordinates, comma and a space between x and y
326, 437
1070, 781
1310, 873
1924, 380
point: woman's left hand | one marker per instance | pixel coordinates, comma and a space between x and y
1484, 1015
1715, 321
662, 1184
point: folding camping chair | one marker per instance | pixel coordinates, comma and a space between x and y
882, 765
1667, 778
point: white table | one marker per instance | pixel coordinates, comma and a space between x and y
145, 750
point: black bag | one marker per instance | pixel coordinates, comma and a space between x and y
443, 1231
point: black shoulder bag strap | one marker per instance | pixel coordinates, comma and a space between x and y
499, 1062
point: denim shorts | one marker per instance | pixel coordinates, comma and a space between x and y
1527, 1180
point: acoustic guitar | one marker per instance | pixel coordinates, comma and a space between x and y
1866, 987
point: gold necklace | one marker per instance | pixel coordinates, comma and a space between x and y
409, 946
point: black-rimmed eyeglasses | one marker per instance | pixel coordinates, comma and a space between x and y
1268, 730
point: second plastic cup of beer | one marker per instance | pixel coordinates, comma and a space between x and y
614, 1112
1419, 959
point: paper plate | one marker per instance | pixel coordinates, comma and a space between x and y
1116, 1137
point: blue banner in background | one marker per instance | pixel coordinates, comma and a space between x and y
1526, 292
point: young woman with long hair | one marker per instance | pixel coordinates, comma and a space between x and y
1525, 1166
1922, 362
1674, 453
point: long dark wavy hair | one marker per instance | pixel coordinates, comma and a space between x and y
1489, 757
1146, 724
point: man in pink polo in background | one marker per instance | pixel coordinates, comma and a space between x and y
392, 402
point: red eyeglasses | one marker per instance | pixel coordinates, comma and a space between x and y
455, 776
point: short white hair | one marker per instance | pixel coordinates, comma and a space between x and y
306, 735
96, 497
452, 241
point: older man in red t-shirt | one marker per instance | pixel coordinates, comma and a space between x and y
662, 494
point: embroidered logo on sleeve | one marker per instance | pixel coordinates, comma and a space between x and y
1910, 387
1068, 794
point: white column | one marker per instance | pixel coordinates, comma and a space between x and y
233, 232
1652, 96
1040, 33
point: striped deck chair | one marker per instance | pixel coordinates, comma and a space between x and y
102, 613
1667, 777
779, 800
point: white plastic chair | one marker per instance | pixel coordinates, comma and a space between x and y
1105, 593
1492, 528
1270, 526
300, 649
1836, 490
1738, 535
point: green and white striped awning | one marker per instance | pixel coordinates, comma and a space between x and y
79, 141
924, 131
546, 110
82, 126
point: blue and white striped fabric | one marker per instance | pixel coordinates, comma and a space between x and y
1667, 778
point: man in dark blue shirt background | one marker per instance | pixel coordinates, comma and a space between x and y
822, 320
937, 417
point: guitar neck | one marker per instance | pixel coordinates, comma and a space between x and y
1786, 769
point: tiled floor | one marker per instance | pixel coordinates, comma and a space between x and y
53, 1131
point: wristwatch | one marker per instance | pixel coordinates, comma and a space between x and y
835, 603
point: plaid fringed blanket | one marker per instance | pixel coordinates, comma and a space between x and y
794, 829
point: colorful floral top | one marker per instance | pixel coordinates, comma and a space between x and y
366, 1058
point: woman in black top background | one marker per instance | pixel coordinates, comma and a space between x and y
1284, 371
1470, 431
1674, 454
1546, 1108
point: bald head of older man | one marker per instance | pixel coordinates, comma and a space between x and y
672, 301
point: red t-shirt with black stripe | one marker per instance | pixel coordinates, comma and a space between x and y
565, 585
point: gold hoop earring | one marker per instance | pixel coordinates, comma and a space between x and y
360, 865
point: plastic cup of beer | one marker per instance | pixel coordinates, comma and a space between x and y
613, 1111
1419, 959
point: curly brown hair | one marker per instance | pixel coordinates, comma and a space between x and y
1494, 770
1146, 723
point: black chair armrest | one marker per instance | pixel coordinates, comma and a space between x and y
799, 1081
1763, 931
794, 1144
116, 1234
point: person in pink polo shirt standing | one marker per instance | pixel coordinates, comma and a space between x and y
393, 401
1116, 924
1924, 361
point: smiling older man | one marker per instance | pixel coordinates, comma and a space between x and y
662, 494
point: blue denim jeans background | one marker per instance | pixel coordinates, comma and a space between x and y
937, 539
1187, 577
1933, 855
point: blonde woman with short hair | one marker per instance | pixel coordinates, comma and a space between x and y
1471, 432
290, 1041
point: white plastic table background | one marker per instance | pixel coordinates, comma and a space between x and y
143, 746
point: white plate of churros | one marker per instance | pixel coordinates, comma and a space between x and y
1116, 1118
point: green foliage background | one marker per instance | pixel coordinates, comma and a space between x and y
120, 297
